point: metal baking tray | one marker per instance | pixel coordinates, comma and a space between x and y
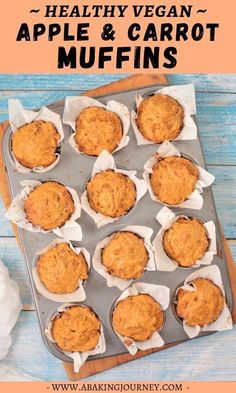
73, 170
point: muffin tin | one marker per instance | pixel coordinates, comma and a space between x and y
74, 170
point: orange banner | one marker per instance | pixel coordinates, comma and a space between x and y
117, 36
105, 387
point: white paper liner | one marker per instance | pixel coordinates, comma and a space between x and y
79, 358
79, 294
162, 295
71, 230
112, 281
18, 116
224, 321
163, 263
195, 200
75, 105
185, 95
104, 162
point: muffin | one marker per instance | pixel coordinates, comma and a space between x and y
138, 317
98, 129
60, 269
160, 118
111, 193
201, 307
186, 241
49, 205
173, 179
35, 144
76, 329
125, 256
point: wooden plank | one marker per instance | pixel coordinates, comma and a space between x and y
232, 246
4, 190
56, 82
219, 143
203, 82
206, 82
209, 355
224, 190
216, 109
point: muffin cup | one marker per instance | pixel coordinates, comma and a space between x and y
79, 358
112, 281
163, 262
71, 230
18, 116
79, 294
224, 321
185, 95
104, 162
161, 294
75, 105
195, 200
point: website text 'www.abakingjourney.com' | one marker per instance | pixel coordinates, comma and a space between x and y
118, 387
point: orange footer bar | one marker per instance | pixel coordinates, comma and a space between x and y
185, 387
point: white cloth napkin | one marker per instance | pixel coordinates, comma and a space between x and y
10, 306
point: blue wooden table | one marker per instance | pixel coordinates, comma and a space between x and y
209, 358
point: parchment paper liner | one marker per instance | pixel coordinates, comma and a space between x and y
185, 95
224, 321
112, 281
163, 262
106, 161
75, 105
195, 200
71, 230
79, 358
18, 116
162, 295
79, 294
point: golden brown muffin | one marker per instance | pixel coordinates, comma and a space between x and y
77, 329
186, 241
98, 129
49, 205
35, 144
111, 193
201, 307
60, 269
138, 317
125, 255
160, 118
173, 179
